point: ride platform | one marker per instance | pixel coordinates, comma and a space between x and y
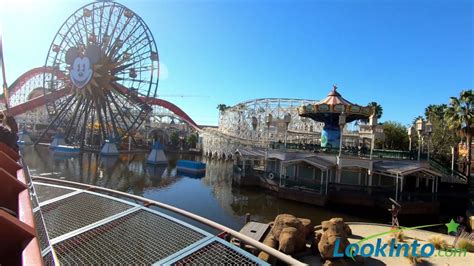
82, 227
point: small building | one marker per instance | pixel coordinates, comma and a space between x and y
318, 178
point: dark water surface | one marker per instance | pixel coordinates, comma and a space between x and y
212, 196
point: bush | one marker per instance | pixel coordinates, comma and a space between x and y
400, 236
414, 260
464, 243
438, 242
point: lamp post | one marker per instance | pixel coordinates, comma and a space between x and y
452, 160
342, 122
373, 125
410, 134
268, 122
420, 125
428, 131
287, 120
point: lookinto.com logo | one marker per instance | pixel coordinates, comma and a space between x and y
393, 249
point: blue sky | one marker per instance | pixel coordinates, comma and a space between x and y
402, 54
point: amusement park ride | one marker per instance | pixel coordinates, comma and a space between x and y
99, 81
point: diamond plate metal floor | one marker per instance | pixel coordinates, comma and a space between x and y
81, 227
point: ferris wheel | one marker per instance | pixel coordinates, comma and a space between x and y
110, 64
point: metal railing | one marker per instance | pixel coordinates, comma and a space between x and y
316, 187
353, 151
447, 170
148, 202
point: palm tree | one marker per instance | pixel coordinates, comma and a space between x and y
416, 119
377, 107
459, 118
378, 112
222, 107
435, 110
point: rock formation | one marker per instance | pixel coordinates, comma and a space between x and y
288, 235
332, 230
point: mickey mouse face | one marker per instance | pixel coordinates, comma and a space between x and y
81, 72
81, 65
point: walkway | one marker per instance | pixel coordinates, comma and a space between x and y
76, 226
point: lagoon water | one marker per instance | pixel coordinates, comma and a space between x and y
211, 196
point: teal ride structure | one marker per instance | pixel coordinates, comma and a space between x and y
334, 111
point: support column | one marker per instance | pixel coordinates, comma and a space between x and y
396, 188
417, 182
327, 180
322, 176
401, 183
243, 167
433, 185
370, 179
359, 179
282, 173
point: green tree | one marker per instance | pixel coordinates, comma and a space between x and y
174, 138
377, 107
222, 107
396, 137
458, 117
416, 119
378, 112
435, 111
192, 140
442, 138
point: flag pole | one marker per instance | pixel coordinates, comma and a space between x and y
2, 62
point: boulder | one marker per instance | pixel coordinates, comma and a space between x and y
288, 234
332, 230
271, 242
308, 225
287, 240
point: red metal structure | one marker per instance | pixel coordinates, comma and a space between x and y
43, 100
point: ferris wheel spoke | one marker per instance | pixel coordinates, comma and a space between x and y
142, 37
100, 20
116, 46
129, 35
141, 54
77, 32
85, 27
55, 120
76, 35
93, 16
109, 120
112, 117
106, 30
73, 119
100, 125
119, 110
82, 133
112, 35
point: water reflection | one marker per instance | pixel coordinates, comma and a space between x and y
212, 196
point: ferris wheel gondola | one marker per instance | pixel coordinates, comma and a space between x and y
110, 62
